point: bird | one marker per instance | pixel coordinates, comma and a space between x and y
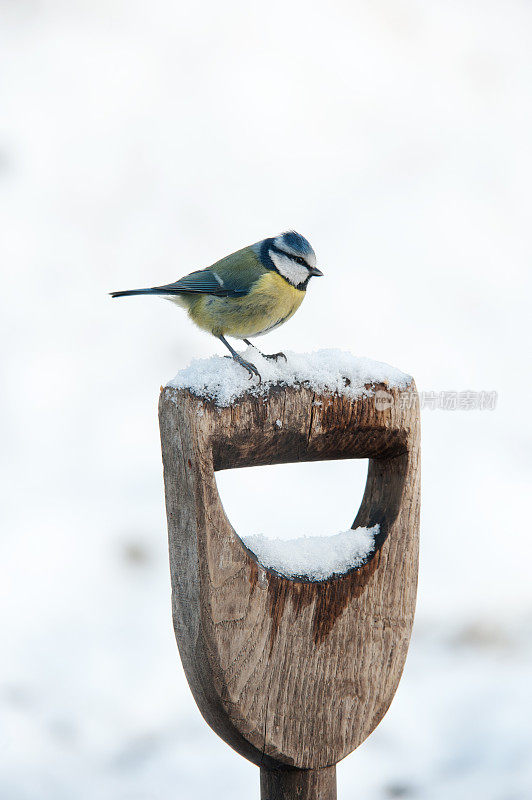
246, 294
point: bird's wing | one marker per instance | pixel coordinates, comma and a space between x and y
204, 281
232, 276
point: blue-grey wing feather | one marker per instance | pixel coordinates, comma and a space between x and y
232, 276
204, 282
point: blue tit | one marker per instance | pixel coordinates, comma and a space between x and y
247, 293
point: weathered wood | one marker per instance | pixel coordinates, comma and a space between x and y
289, 784
290, 673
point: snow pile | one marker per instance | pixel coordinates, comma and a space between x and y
223, 380
314, 557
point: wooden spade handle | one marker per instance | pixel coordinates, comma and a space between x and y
292, 673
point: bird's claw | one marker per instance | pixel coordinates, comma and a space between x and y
272, 357
275, 356
251, 368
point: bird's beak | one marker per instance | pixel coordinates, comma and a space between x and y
315, 272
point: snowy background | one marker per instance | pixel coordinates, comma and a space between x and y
141, 140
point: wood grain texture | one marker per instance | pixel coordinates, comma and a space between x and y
290, 673
298, 784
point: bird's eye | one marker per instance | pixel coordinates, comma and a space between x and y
301, 261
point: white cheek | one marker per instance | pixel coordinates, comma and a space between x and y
311, 258
293, 272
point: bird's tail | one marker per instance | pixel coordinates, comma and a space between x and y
129, 292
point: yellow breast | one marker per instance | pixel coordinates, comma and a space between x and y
271, 301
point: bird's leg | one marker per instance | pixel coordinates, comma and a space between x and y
251, 368
273, 356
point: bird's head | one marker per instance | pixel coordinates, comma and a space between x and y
291, 255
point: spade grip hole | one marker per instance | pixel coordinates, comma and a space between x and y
289, 500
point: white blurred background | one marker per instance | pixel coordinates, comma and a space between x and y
141, 140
